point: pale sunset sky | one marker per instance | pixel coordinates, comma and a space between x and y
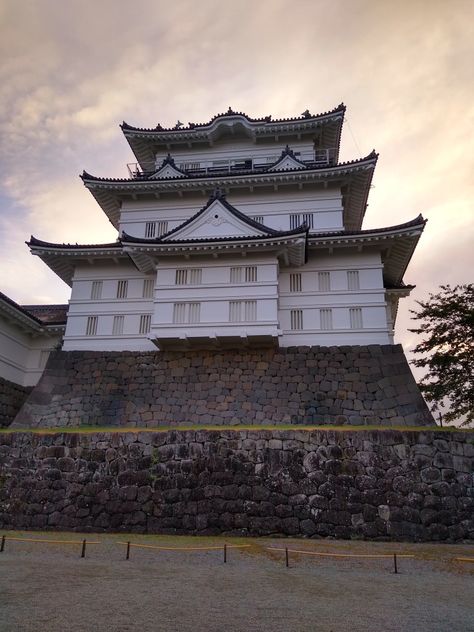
72, 71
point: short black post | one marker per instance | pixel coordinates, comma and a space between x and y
225, 553
127, 556
395, 568
83, 552
287, 558
2, 545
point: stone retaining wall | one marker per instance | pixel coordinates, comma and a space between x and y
312, 385
12, 398
385, 484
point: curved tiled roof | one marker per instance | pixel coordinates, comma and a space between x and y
86, 176
230, 112
47, 244
40, 314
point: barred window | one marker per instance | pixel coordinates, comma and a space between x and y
236, 275
251, 274
257, 218
240, 274
186, 313
117, 327
96, 290
91, 327
353, 280
324, 281
122, 288
355, 314
150, 230
148, 286
188, 276
295, 282
145, 323
155, 229
296, 319
242, 311
296, 219
161, 228
326, 318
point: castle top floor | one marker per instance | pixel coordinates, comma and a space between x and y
237, 141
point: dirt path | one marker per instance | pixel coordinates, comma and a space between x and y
49, 588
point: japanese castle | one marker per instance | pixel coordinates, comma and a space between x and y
235, 233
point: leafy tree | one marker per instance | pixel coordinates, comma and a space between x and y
446, 324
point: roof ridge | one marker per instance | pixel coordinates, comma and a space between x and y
306, 115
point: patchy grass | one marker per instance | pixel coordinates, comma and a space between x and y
88, 429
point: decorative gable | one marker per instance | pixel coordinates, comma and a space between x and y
287, 161
216, 220
168, 170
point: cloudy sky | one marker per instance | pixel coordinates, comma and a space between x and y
72, 71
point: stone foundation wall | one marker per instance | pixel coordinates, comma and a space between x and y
12, 398
300, 385
385, 484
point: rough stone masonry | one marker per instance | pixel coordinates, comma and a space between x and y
384, 484
298, 385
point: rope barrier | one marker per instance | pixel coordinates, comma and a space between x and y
384, 555
464, 559
50, 541
186, 548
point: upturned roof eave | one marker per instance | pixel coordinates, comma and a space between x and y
108, 192
143, 140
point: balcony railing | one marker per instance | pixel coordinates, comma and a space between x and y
319, 158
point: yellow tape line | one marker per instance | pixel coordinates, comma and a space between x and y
187, 548
50, 541
271, 548
464, 559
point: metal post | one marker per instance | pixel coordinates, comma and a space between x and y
127, 556
2, 545
225, 553
83, 552
395, 568
287, 558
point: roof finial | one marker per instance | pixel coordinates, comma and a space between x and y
218, 194
178, 124
230, 110
306, 114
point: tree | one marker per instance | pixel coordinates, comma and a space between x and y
446, 323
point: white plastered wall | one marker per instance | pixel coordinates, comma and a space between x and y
370, 298
274, 208
81, 306
22, 355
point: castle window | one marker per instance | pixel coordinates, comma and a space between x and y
150, 230
295, 282
355, 315
122, 288
155, 229
96, 290
188, 276
236, 275
251, 274
326, 318
247, 274
296, 219
257, 218
91, 327
296, 319
242, 311
145, 323
186, 313
324, 281
117, 327
353, 280
148, 285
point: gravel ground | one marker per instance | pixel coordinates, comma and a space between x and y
49, 588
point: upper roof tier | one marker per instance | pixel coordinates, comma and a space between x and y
323, 129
